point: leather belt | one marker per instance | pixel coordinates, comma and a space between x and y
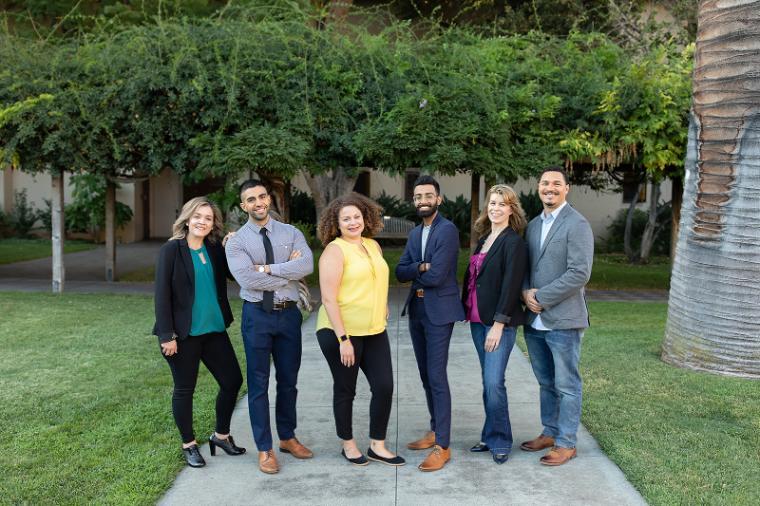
419, 292
279, 306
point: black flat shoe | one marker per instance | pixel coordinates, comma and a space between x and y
392, 461
228, 445
500, 458
193, 456
479, 448
361, 460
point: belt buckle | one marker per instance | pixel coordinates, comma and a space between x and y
420, 292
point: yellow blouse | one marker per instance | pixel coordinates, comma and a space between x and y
363, 291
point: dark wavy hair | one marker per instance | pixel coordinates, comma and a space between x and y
327, 228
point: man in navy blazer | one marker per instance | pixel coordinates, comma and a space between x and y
430, 263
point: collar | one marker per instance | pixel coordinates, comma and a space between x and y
269, 226
553, 214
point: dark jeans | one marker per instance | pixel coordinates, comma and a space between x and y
431, 349
372, 355
276, 335
215, 351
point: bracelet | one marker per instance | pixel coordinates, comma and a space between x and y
344, 338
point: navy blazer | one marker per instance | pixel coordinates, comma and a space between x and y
442, 302
175, 288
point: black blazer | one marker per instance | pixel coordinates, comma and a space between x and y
175, 288
499, 281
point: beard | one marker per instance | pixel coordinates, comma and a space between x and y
427, 212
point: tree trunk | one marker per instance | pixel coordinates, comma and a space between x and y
110, 231
58, 232
647, 238
714, 310
675, 209
627, 246
474, 207
327, 186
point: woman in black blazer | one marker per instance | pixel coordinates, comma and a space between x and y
192, 315
491, 296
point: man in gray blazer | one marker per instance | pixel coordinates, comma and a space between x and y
561, 251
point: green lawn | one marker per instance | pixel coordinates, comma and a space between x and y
610, 272
17, 250
681, 437
86, 407
86, 401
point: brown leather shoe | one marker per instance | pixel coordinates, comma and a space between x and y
536, 445
295, 448
558, 456
427, 441
436, 460
268, 462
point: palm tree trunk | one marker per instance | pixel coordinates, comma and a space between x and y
714, 311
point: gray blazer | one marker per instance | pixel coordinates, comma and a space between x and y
561, 269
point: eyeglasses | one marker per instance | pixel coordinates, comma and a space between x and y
428, 196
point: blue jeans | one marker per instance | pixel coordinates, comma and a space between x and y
277, 335
554, 356
497, 430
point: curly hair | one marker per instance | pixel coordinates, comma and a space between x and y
517, 219
372, 213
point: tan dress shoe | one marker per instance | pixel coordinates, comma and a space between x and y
558, 456
536, 445
268, 462
436, 460
427, 441
295, 448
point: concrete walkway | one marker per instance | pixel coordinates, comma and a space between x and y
590, 479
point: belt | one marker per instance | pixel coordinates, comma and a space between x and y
278, 306
419, 292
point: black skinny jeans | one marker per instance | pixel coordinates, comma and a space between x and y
373, 356
215, 351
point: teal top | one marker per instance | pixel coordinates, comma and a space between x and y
207, 316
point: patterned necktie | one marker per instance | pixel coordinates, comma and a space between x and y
268, 302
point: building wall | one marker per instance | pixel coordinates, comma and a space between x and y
165, 203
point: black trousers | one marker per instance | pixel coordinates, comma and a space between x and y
216, 352
373, 357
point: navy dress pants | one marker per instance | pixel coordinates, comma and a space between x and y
431, 349
276, 335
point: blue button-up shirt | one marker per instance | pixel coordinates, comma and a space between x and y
246, 249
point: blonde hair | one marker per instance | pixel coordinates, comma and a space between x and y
179, 229
517, 221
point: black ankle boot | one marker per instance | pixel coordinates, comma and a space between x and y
193, 456
228, 445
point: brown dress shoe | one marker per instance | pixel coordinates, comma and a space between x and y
427, 441
295, 448
436, 460
558, 456
268, 462
536, 445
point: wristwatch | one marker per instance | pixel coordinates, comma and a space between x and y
343, 338
261, 268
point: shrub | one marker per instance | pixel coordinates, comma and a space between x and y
23, 217
616, 231
302, 208
87, 212
458, 211
5, 225
396, 207
531, 204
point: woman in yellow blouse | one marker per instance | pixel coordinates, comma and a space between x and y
353, 280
